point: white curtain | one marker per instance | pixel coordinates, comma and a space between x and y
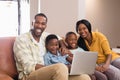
24, 15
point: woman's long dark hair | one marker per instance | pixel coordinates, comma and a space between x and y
81, 42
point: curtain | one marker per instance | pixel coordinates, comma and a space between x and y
24, 16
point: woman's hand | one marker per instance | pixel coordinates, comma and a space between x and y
99, 68
102, 68
107, 63
105, 66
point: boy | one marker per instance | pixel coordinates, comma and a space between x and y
71, 40
53, 55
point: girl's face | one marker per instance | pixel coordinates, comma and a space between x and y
53, 46
83, 31
71, 40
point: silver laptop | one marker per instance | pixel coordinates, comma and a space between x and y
83, 63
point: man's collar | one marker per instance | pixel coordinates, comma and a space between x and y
32, 38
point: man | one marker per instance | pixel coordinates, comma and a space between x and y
29, 50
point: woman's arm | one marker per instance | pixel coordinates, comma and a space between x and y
107, 52
107, 63
104, 67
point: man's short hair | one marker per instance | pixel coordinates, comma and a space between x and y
41, 14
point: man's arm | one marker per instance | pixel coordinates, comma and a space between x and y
62, 43
63, 47
23, 55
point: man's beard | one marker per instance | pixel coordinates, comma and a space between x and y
35, 34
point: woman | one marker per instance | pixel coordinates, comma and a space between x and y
108, 62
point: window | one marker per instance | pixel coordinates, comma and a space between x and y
14, 17
8, 18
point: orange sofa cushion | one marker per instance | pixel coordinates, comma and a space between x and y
7, 62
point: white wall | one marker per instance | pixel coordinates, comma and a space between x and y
63, 14
104, 16
34, 9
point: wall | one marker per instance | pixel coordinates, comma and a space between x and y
33, 9
104, 16
62, 15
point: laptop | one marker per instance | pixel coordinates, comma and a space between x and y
83, 63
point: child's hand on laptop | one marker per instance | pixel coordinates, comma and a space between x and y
69, 68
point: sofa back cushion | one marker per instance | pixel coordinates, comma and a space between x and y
7, 62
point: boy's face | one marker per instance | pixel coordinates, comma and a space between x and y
71, 40
53, 46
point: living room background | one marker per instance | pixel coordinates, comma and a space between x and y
62, 15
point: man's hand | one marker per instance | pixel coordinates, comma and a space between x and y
38, 66
63, 50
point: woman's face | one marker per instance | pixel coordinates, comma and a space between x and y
83, 31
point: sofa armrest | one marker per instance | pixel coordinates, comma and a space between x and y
4, 76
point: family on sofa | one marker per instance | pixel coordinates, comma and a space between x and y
29, 49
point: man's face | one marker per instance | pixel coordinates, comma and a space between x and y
39, 25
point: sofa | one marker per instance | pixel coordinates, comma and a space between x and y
8, 70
